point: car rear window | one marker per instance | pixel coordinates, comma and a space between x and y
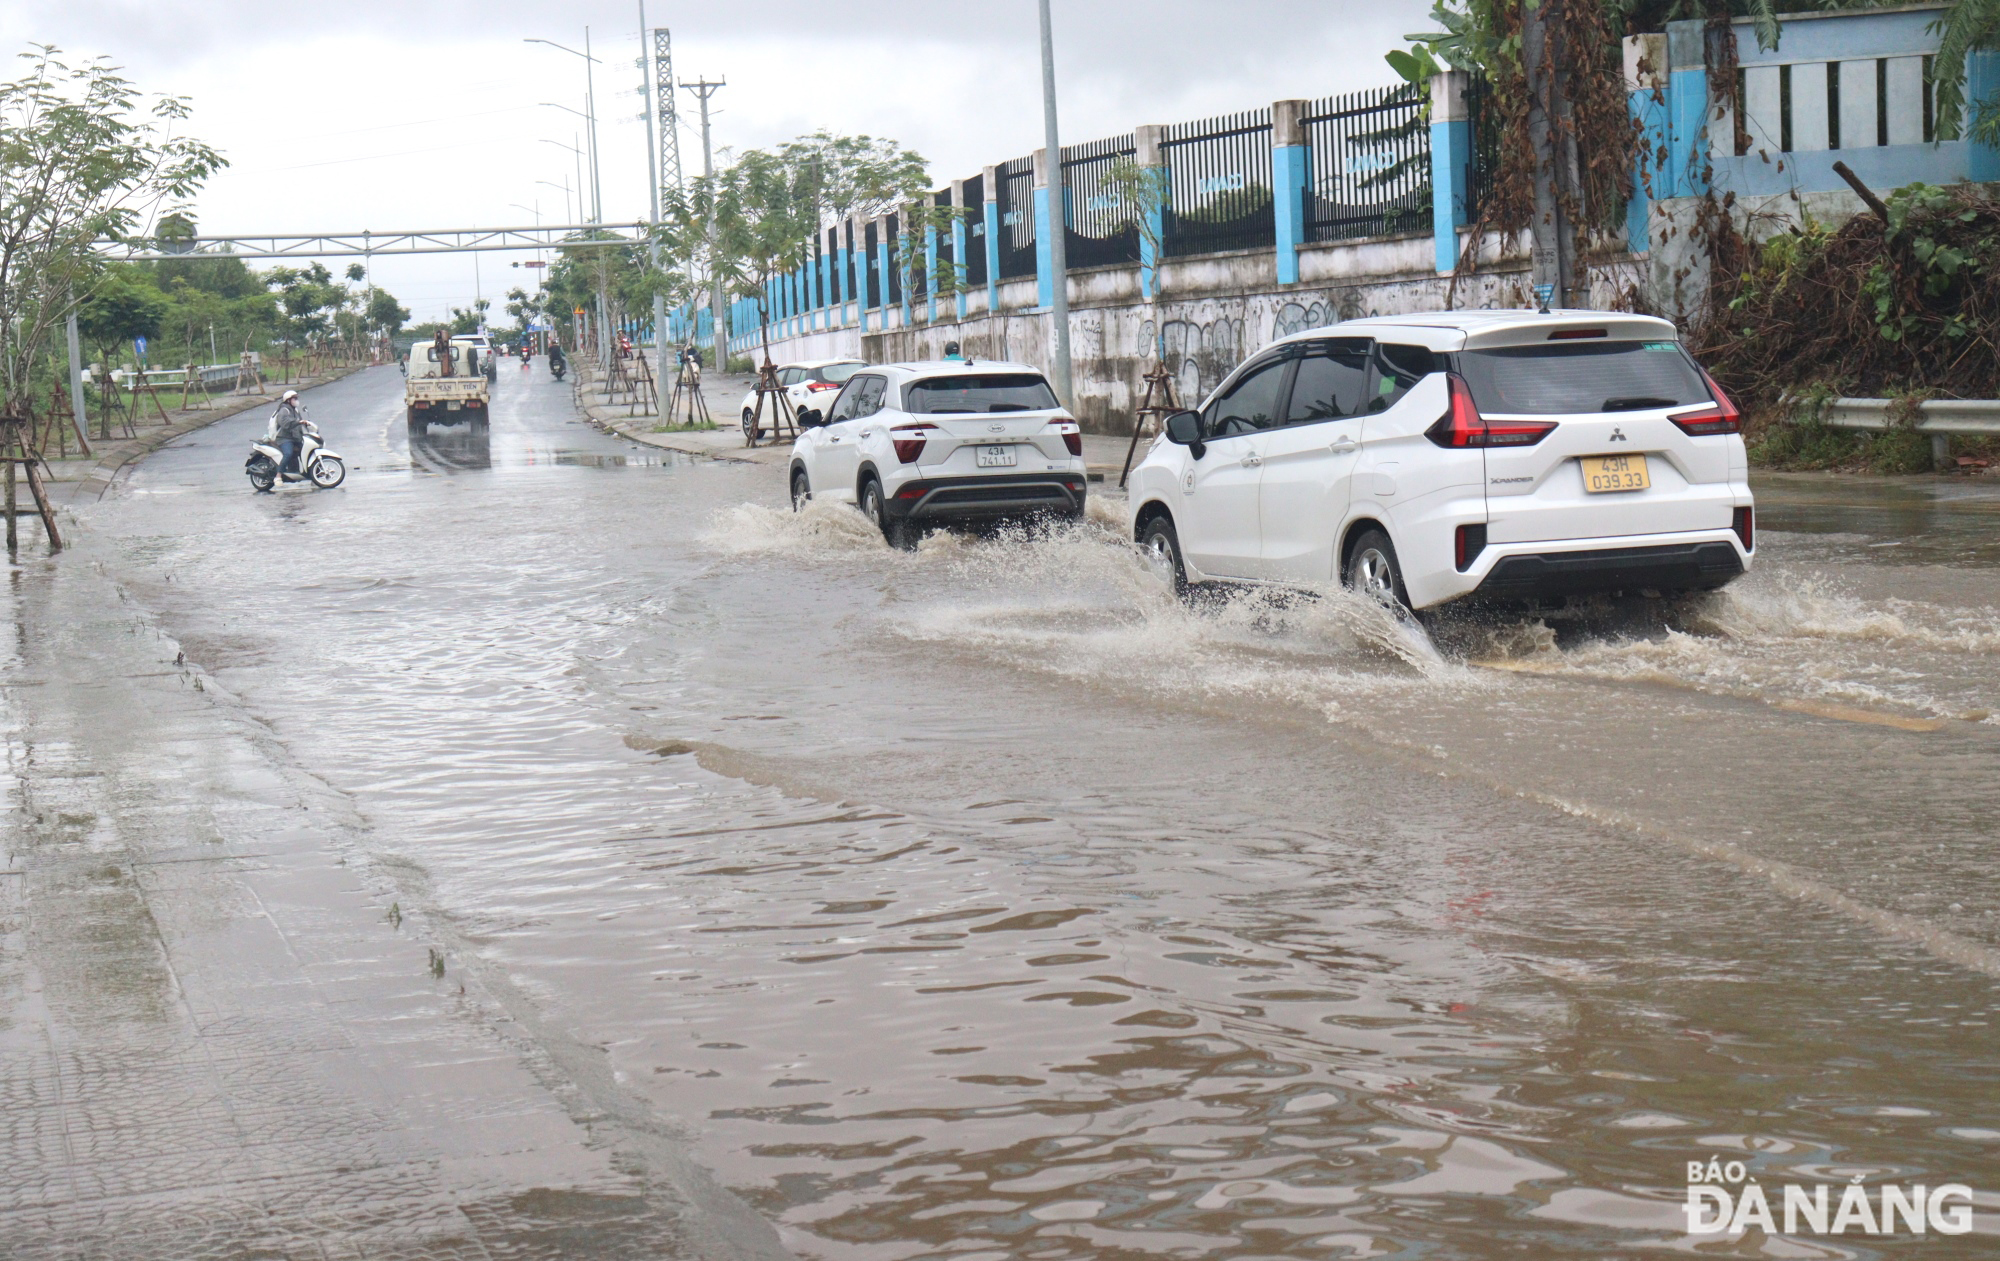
994, 392
1598, 377
839, 372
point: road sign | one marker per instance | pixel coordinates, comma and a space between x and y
139, 345
534, 262
579, 312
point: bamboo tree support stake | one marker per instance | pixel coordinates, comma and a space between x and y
1162, 381
13, 533
17, 455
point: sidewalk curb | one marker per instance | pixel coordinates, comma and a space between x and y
600, 414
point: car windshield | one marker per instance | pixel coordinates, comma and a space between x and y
991, 392
839, 372
1599, 377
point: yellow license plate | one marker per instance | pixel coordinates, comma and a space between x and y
1605, 473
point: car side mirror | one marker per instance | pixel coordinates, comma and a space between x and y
813, 418
1184, 429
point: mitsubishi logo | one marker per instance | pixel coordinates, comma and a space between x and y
1618, 435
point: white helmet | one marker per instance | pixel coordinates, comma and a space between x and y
290, 395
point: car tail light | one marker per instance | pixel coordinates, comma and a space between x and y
1463, 426
1467, 543
1721, 417
1072, 435
1744, 522
912, 491
815, 387
473, 402
909, 440
1574, 334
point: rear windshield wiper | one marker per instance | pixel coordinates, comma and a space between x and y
1638, 402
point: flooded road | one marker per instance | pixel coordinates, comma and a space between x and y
985, 902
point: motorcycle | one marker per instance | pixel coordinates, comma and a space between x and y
557, 367
324, 469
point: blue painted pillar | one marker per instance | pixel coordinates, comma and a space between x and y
959, 236
1045, 262
1646, 100
989, 219
1288, 184
930, 273
903, 274
1982, 86
825, 298
1451, 166
1687, 110
882, 268
1151, 158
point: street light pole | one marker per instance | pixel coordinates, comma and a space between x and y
704, 89
565, 192
647, 93
1058, 216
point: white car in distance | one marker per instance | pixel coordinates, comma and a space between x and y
920, 444
810, 386
1516, 455
484, 345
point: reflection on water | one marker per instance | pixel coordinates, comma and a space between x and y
456, 447
986, 902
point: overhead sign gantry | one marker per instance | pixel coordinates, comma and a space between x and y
366, 244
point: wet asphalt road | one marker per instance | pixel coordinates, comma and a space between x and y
985, 902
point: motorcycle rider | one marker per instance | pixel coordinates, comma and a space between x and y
556, 363
288, 426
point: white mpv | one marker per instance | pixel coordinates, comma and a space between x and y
915, 444
1426, 458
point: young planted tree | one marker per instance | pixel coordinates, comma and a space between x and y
120, 308
83, 157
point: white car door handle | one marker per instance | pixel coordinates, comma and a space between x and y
1251, 461
1342, 443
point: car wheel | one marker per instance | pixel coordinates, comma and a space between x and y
801, 490
1162, 546
1373, 571
416, 422
898, 531
750, 431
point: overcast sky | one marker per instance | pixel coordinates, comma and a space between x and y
352, 114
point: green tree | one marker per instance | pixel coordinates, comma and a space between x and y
83, 156
122, 305
383, 315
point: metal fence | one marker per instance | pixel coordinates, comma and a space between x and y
1220, 184
1369, 171
1484, 123
1015, 198
975, 233
896, 260
1100, 227
946, 281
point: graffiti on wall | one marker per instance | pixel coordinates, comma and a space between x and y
1198, 353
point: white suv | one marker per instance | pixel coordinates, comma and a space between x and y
914, 444
1424, 458
809, 387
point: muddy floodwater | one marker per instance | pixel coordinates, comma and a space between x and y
986, 902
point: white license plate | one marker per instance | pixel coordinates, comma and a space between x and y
996, 457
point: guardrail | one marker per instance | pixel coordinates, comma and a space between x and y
1938, 417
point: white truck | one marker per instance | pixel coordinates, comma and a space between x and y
443, 390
